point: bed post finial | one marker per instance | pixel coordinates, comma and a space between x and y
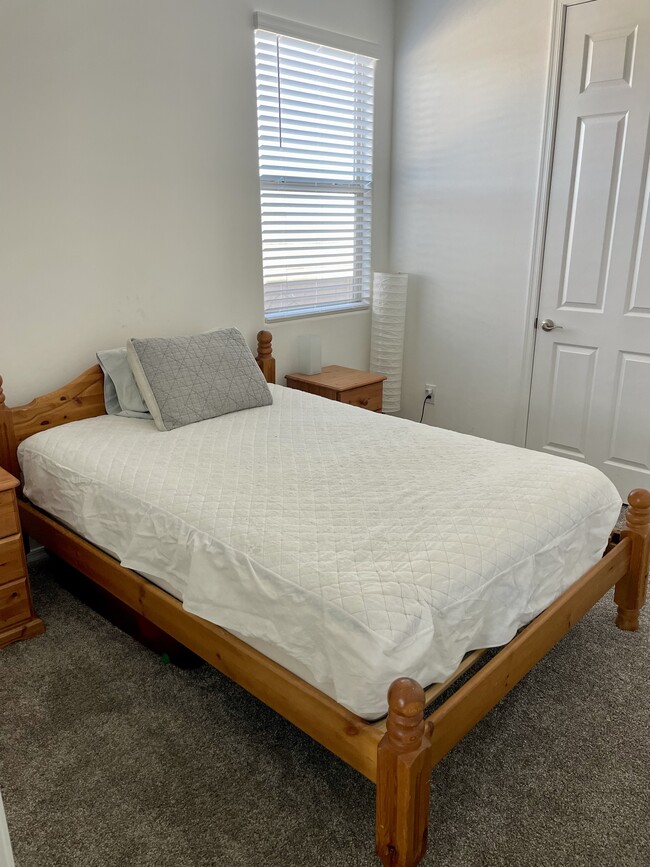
8, 457
403, 771
264, 356
631, 590
405, 722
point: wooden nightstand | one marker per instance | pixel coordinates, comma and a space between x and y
17, 618
356, 387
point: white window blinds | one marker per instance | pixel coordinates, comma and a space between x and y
315, 129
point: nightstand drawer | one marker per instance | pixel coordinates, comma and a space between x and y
14, 603
8, 518
367, 396
17, 618
12, 564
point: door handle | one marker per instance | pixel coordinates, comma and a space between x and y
549, 325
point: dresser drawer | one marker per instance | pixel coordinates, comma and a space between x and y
12, 563
368, 396
8, 518
14, 603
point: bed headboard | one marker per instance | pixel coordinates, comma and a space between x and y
81, 398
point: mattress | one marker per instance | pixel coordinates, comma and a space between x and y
351, 547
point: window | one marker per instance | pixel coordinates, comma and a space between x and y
315, 130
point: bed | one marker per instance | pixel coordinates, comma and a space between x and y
317, 554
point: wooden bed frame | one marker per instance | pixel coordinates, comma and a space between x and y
397, 753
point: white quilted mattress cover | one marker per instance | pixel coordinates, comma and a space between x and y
351, 547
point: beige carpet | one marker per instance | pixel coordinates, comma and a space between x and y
108, 757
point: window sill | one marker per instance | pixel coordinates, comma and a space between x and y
308, 313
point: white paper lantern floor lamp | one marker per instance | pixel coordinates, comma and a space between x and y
387, 335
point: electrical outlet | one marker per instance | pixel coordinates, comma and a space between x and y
430, 391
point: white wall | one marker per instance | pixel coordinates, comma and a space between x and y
470, 81
128, 177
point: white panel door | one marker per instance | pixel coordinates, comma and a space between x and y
590, 397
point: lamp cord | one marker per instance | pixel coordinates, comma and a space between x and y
424, 404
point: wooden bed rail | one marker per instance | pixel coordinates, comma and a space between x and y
81, 398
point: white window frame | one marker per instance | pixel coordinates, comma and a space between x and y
363, 268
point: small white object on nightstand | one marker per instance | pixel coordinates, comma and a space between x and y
309, 354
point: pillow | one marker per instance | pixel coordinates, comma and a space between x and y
121, 394
188, 379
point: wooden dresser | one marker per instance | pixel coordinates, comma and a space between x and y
17, 618
356, 387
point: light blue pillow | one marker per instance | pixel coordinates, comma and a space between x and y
121, 393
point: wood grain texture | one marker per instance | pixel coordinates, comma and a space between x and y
12, 562
7, 482
337, 378
8, 444
367, 396
8, 515
403, 778
14, 603
312, 388
631, 591
342, 732
264, 356
17, 618
81, 398
21, 632
344, 384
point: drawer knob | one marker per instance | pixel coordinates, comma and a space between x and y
364, 401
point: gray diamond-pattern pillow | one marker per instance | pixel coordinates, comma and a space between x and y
188, 379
